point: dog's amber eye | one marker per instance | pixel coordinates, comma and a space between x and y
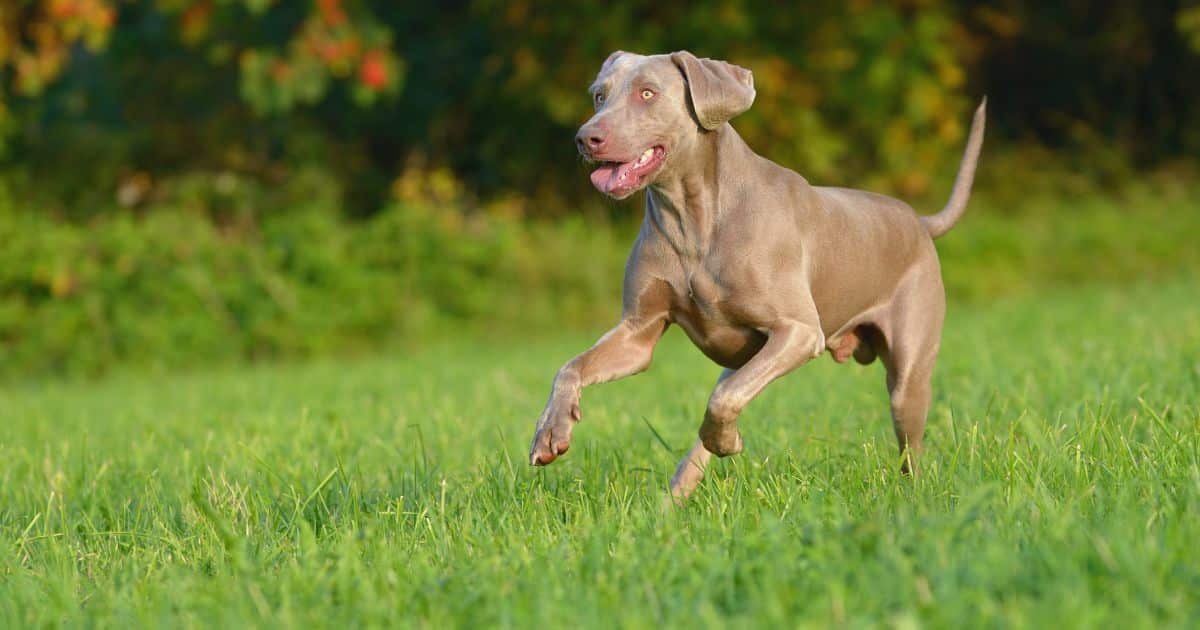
647, 95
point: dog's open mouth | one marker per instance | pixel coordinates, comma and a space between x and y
621, 178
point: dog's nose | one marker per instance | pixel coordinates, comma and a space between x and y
589, 141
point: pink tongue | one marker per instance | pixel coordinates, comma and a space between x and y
607, 178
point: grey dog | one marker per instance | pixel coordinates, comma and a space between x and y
761, 269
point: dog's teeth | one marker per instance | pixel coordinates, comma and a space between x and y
646, 155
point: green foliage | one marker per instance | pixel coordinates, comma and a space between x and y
865, 86
195, 180
328, 46
868, 90
1022, 242
1061, 488
205, 274
1189, 24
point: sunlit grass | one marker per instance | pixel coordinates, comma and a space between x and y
1062, 485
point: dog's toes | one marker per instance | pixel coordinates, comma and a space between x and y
721, 440
545, 451
548, 445
540, 453
737, 444
541, 457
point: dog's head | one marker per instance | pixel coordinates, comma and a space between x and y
650, 110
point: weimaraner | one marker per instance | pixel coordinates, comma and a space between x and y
761, 269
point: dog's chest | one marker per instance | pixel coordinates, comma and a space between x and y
704, 303
700, 308
698, 293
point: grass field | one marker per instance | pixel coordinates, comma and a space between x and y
1061, 486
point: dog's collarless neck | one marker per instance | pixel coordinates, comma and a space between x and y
686, 206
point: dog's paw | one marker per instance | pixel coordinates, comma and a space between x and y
721, 439
553, 435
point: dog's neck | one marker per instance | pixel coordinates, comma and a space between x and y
686, 203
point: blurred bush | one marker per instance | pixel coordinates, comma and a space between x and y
869, 92
184, 181
204, 276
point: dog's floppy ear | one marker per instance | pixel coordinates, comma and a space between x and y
719, 90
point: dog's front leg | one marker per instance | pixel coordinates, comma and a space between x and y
623, 351
789, 344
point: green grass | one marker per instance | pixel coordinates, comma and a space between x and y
1062, 486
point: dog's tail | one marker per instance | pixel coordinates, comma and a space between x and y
940, 223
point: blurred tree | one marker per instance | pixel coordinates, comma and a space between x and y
1189, 24
35, 38
1092, 75
332, 41
90, 95
487, 93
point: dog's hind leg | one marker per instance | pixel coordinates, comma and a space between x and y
910, 392
910, 352
690, 471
